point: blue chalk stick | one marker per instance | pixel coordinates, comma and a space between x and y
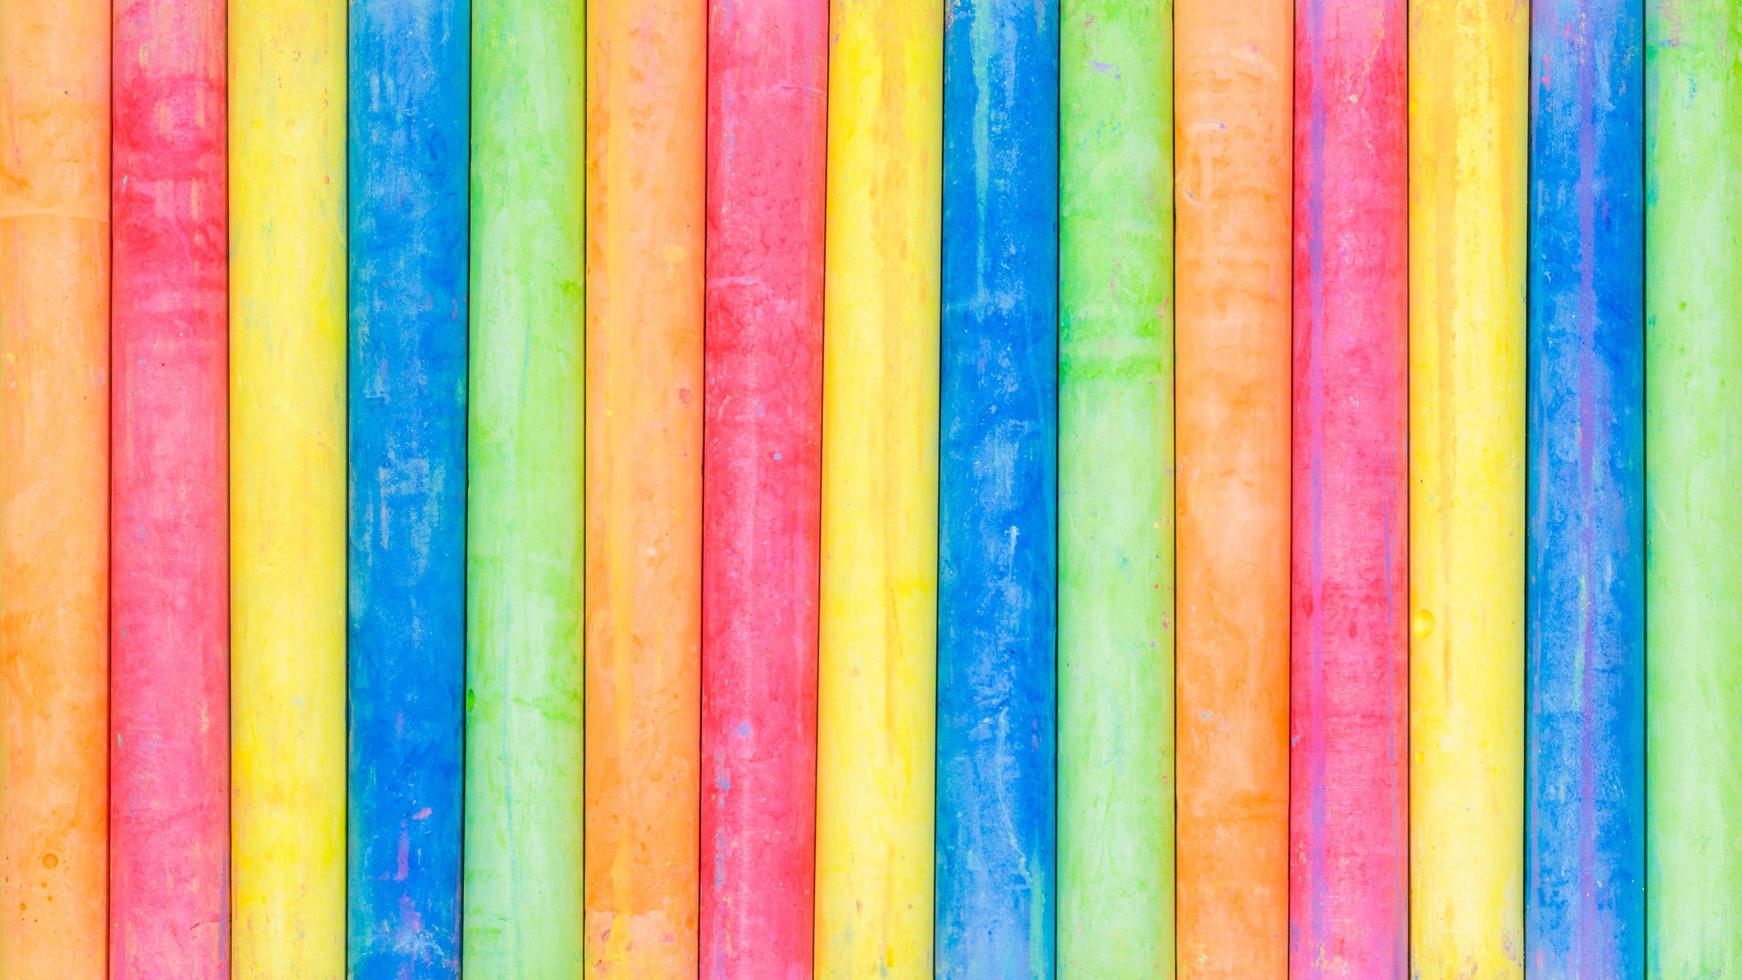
998, 518
408, 156
1585, 836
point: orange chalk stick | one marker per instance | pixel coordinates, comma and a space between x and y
54, 487
646, 110
1232, 146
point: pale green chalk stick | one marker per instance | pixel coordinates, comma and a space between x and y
522, 887
1693, 437
1116, 834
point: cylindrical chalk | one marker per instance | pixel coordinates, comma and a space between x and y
1693, 398
1116, 575
1467, 149
409, 106
998, 517
646, 174
767, 81
878, 604
287, 486
1233, 87
1585, 612
523, 800
169, 652
1349, 723
54, 487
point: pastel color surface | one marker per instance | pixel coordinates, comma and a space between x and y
1693, 567
169, 653
646, 175
997, 888
523, 790
1232, 98
54, 487
1467, 147
287, 487
1115, 495
1349, 718
878, 604
959, 488
767, 146
1585, 595
409, 104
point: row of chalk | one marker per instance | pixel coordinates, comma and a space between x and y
968, 487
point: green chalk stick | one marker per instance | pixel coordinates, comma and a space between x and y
1116, 637
523, 537
1693, 435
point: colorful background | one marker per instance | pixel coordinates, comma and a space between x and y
870, 488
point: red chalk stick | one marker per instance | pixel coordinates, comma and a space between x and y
1349, 775
767, 71
169, 653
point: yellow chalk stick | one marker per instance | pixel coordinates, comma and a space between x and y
877, 683
287, 487
1468, 113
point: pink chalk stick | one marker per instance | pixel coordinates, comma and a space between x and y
169, 605
1349, 765
767, 72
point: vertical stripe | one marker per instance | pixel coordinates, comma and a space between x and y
1116, 577
169, 773
1231, 147
1467, 146
54, 486
767, 73
407, 376
523, 799
1349, 762
998, 519
287, 485
876, 682
646, 172
1585, 612
1693, 565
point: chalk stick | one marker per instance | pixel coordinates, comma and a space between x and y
1115, 494
1349, 717
646, 175
997, 888
287, 486
523, 792
169, 773
1467, 156
878, 605
54, 486
408, 148
766, 151
1693, 362
1232, 99
1585, 594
